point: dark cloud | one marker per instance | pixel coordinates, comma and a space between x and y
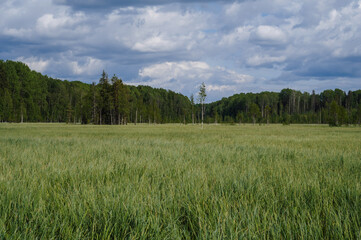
245, 45
330, 68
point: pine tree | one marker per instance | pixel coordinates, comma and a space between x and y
105, 99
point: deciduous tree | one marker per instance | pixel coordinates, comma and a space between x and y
201, 98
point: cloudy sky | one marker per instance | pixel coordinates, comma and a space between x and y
233, 46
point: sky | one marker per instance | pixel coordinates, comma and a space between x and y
231, 46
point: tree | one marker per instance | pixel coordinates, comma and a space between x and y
105, 103
313, 101
286, 119
28, 96
286, 99
358, 114
93, 101
117, 85
254, 111
215, 114
124, 102
267, 113
201, 98
103, 96
342, 115
69, 113
7, 106
333, 114
192, 105
239, 117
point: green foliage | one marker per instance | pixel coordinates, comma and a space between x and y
333, 114
286, 119
61, 181
202, 93
337, 115
239, 117
290, 106
267, 113
254, 112
201, 98
358, 115
28, 96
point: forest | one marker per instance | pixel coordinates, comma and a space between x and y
29, 96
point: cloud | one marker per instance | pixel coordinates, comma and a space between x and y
325, 50
163, 72
240, 34
41, 19
290, 80
231, 45
268, 35
89, 4
63, 25
146, 32
49, 22
34, 63
220, 88
258, 60
16, 32
88, 67
64, 66
186, 76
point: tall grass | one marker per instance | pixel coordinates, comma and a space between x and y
174, 182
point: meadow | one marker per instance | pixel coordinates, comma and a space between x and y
174, 181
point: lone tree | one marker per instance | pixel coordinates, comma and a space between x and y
202, 97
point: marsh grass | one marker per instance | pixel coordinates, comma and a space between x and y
62, 181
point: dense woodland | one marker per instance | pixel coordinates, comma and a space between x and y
28, 96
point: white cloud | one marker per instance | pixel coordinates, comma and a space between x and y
179, 45
63, 26
239, 34
220, 88
258, 60
32, 20
34, 63
168, 72
233, 9
85, 66
145, 30
186, 76
50, 22
154, 44
269, 35
89, 67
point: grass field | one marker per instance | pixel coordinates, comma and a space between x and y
174, 182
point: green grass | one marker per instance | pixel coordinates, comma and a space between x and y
62, 181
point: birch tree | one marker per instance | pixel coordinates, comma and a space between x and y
201, 98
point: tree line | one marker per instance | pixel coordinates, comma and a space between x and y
334, 107
28, 96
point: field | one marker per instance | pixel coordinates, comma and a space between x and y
175, 181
